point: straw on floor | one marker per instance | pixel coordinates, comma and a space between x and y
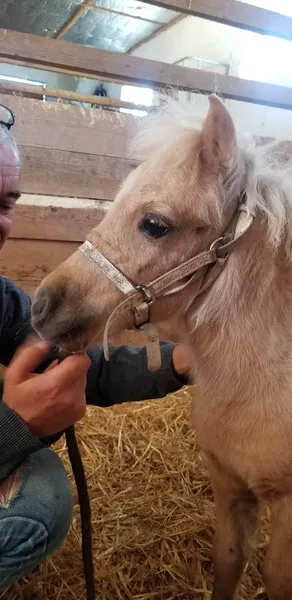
153, 515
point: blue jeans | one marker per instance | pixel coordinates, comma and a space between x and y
37, 518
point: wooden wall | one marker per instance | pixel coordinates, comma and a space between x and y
73, 161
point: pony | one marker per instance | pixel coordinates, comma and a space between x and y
177, 204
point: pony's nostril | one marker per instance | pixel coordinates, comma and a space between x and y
45, 303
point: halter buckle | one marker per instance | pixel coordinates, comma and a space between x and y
147, 294
142, 313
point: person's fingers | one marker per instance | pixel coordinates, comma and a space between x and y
52, 366
69, 370
181, 359
26, 360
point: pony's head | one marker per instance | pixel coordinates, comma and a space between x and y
172, 207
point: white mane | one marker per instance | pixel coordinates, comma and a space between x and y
266, 170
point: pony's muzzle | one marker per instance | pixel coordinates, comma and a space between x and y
45, 304
56, 316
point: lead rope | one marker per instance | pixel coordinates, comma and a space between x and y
85, 509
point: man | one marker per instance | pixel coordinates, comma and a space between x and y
40, 398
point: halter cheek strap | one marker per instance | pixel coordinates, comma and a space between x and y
202, 270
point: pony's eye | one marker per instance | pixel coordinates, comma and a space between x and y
154, 226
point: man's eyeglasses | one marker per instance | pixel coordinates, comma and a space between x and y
7, 117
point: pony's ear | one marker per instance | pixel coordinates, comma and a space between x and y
218, 137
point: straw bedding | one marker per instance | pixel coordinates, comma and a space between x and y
153, 515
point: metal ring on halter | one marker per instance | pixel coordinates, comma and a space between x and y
216, 243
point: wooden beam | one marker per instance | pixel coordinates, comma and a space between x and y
98, 7
43, 51
234, 13
71, 128
157, 32
54, 69
78, 13
60, 173
29, 91
27, 262
56, 218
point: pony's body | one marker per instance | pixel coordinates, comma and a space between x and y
243, 364
239, 333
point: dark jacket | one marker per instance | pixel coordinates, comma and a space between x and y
123, 379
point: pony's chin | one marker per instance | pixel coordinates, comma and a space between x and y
69, 350
72, 347
78, 345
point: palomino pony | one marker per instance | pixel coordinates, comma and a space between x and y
229, 280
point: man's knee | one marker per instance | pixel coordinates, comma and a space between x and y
36, 519
51, 495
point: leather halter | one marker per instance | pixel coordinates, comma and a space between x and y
201, 270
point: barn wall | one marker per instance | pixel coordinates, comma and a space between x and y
51, 79
245, 52
73, 162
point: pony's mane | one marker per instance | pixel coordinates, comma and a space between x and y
266, 170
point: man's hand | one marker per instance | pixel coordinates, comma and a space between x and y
181, 360
50, 402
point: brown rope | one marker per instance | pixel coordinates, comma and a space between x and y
85, 510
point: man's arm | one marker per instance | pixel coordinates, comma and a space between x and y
126, 378
14, 319
16, 440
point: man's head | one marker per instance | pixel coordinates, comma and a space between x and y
9, 173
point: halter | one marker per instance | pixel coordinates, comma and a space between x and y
202, 270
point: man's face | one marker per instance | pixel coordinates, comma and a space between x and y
9, 181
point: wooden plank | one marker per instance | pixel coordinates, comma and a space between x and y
38, 92
60, 173
157, 32
27, 262
68, 127
49, 218
44, 51
234, 13
54, 69
79, 12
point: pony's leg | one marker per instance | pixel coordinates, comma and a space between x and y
236, 514
278, 561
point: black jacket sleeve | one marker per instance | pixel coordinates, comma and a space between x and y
16, 440
124, 378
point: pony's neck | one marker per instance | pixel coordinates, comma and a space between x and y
242, 332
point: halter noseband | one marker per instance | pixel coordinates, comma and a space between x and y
201, 269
